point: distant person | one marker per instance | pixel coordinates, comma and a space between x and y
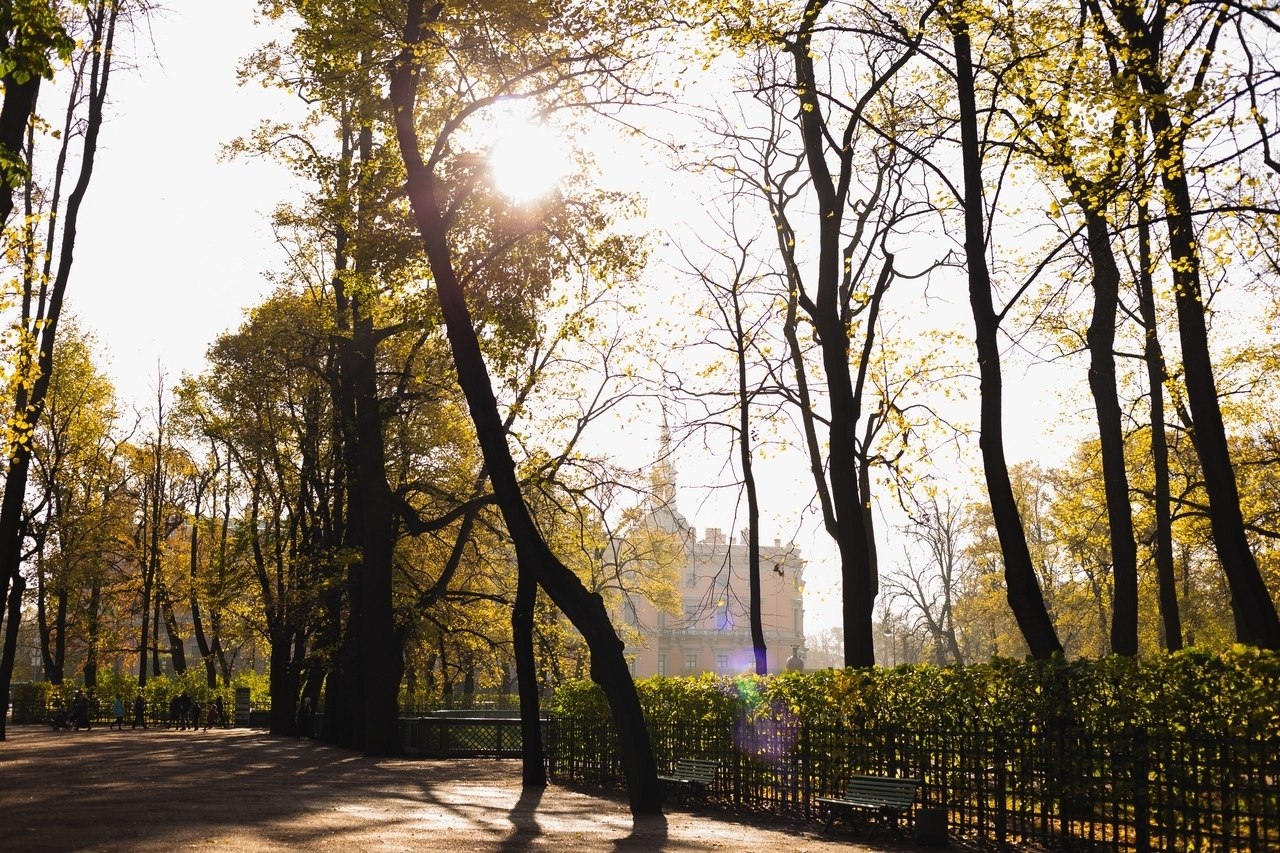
139, 711
117, 714
211, 716
175, 708
184, 709
80, 711
222, 714
193, 715
304, 718
61, 716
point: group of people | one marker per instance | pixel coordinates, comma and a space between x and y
74, 715
184, 713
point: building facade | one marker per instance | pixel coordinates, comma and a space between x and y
712, 630
712, 633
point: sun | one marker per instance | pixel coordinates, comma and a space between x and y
528, 160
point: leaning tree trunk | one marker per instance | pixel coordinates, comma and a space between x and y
1255, 613
584, 609
1023, 589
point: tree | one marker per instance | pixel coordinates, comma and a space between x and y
1024, 595
75, 510
930, 586
32, 34
1137, 35
423, 29
42, 294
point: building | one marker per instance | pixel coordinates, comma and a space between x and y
712, 630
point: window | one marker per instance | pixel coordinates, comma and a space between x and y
690, 663
691, 580
631, 664
691, 609
662, 620
662, 664
629, 614
797, 620
724, 619
722, 664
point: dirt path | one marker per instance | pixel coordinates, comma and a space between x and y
243, 790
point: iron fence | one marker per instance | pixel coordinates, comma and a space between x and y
1056, 784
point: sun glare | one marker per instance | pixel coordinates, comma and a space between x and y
527, 161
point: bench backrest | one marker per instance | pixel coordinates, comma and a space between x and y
701, 769
882, 788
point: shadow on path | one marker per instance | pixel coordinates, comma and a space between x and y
247, 791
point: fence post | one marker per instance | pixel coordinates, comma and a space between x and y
1002, 793
1141, 794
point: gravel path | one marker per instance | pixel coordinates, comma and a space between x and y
244, 790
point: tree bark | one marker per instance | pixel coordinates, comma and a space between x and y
534, 767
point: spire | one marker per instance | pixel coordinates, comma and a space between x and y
663, 475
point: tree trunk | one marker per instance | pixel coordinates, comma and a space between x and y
92, 625
534, 768
283, 685
1023, 589
1255, 613
177, 648
846, 501
585, 610
197, 623
1157, 373
379, 652
761, 651
19, 104
103, 20
1102, 383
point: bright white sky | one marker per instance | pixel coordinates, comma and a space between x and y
173, 242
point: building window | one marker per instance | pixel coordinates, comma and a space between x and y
690, 663
722, 664
797, 620
691, 615
724, 619
629, 614
691, 580
662, 620
631, 664
662, 664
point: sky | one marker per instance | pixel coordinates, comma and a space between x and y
175, 240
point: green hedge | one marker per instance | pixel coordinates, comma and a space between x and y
1211, 692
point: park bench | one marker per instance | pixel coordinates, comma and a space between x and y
691, 774
883, 796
